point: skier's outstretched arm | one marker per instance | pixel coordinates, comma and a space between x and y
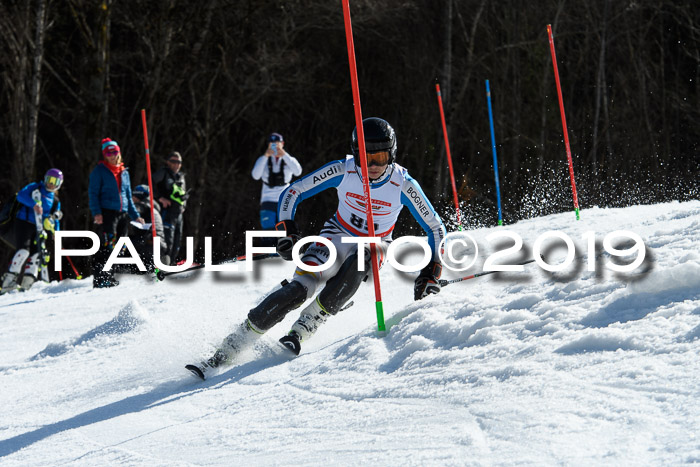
413, 197
328, 176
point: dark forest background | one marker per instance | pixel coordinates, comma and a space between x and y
216, 77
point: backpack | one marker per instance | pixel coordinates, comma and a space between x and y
275, 178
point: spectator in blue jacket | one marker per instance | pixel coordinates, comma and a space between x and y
111, 206
38, 211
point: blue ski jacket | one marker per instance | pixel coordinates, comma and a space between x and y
105, 193
26, 209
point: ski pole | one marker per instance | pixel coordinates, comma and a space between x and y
444, 282
257, 257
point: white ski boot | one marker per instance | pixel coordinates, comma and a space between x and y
31, 272
9, 282
27, 281
313, 316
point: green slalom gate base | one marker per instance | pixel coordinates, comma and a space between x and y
381, 327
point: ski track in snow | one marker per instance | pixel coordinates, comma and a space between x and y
575, 367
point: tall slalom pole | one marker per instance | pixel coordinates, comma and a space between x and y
381, 327
493, 148
75, 270
449, 156
148, 169
563, 119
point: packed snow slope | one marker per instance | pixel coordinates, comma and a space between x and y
575, 367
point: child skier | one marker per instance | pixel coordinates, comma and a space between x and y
39, 212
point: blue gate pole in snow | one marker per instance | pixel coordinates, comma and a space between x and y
495, 159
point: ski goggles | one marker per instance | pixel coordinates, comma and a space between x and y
377, 158
52, 183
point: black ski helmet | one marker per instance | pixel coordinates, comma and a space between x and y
379, 136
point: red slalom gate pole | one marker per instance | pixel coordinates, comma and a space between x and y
563, 119
381, 327
148, 170
75, 270
449, 156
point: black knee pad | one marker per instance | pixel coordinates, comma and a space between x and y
341, 287
275, 306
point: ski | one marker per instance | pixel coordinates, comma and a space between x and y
41, 235
213, 362
291, 343
195, 370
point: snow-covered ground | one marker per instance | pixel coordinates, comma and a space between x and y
576, 367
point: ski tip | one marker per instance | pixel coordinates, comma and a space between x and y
195, 370
291, 343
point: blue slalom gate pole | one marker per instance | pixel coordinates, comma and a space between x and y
495, 159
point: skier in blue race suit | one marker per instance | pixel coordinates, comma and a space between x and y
392, 188
29, 241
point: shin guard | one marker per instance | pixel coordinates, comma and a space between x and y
18, 261
32, 266
341, 287
275, 306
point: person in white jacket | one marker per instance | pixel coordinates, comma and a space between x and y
275, 168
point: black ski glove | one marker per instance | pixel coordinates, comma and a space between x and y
285, 244
427, 281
